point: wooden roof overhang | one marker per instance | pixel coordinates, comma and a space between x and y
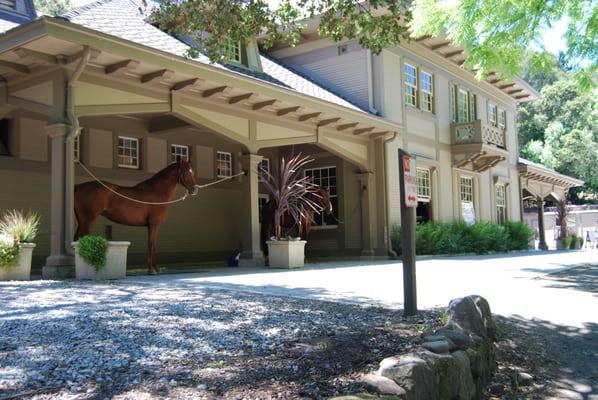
172, 83
516, 88
547, 176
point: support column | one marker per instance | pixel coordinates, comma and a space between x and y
251, 254
60, 263
368, 230
542, 242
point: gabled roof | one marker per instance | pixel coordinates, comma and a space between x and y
126, 19
531, 170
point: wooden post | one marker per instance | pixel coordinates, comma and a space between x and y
408, 187
542, 234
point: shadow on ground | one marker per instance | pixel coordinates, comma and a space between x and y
562, 359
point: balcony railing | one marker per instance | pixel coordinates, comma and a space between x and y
477, 132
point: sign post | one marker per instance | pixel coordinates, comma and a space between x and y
408, 187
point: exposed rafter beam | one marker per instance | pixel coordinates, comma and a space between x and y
506, 85
361, 131
453, 53
213, 91
157, 75
493, 81
194, 83
238, 98
20, 68
460, 62
37, 55
121, 67
514, 91
422, 38
328, 121
307, 117
261, 104
347, 126
94, 53
523, 96
440, 45
288, 110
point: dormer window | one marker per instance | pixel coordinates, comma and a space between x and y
12, 4
233, 50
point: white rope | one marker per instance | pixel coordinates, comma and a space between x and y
155, 202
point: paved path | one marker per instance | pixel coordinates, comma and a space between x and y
512, 283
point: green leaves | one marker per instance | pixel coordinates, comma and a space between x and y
93, 250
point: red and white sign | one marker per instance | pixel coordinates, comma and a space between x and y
410, 175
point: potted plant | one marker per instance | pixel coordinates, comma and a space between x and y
96, 258
293, 197
17, 233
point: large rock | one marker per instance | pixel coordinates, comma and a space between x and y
413, 374
461, 339
472, 313
429, 376
382, 385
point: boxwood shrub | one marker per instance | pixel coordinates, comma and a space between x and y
434, 238
9, 254
93, 250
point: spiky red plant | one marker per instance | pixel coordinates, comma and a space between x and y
292, 193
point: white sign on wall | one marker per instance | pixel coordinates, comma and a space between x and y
410, 175
468, 212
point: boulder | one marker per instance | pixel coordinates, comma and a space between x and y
413, 374
382, 385
461, 339
472, 313
438, 346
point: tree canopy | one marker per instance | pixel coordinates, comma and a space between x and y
52, 7
496, 34
560, 129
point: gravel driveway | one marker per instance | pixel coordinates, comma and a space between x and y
151, 340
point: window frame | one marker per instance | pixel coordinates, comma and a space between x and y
423, 92
264, 177
502, 115
469, 193
229, 161
137, 156
468, 110
407, 84
425, 198
77, 148
324, 225
502, 205
173, 155
232, 48
492, 111
262, 200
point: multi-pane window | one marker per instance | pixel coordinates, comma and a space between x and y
264, 169
423, 185
427, 91
466, 189
233, 50
463, 105
128, 152
492, 114
502, 119
77, 148
179, 152
224, 164
410, 84
501, 203
325, 178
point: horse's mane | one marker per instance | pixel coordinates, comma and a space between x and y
161, 175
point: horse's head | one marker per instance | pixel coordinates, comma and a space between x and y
186, 176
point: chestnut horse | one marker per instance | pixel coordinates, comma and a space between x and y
152, 196
320, 197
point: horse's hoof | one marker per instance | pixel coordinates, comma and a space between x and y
152, 272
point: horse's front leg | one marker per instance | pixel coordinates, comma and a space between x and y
152, 238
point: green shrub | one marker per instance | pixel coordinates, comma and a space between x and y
22, 227
519, 235
93, 250
434, 238
572, 242
580, 240
567, 241
9, 253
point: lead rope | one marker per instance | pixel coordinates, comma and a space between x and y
156, 202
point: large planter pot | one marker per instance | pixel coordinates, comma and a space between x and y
560, 245
286, 253
22, 271
116, 263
